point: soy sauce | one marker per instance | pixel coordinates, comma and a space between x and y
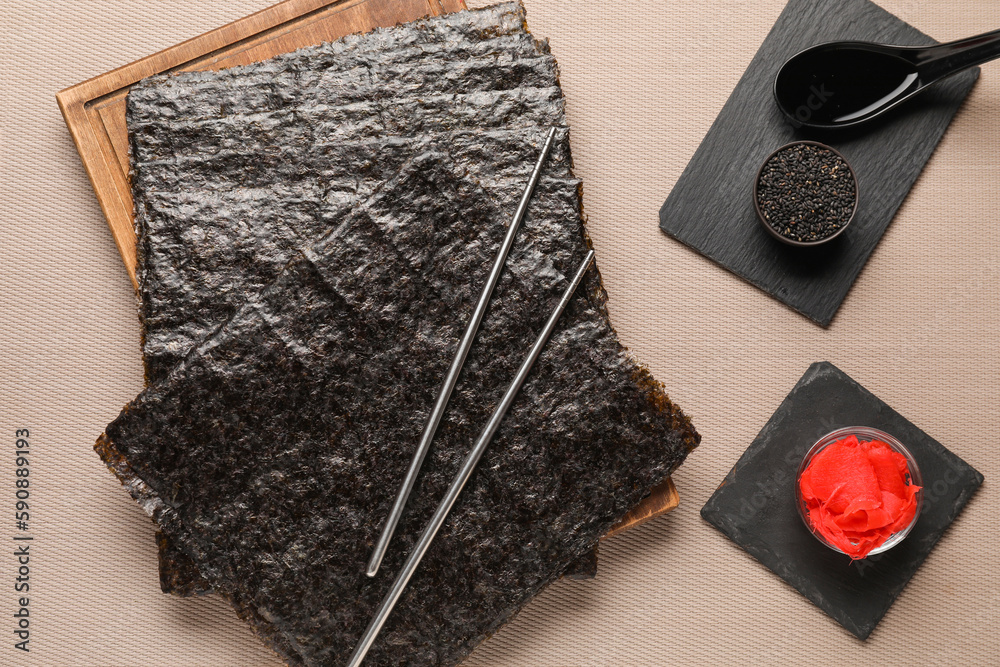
841, 85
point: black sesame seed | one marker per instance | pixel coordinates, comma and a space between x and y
800, 195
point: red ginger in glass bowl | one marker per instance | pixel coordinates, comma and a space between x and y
859, 491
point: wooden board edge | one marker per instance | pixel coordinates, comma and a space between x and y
182, 52
661, 500
74, 114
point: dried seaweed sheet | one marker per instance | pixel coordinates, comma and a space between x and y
264, 210
204, 251
232, 243
218, 147
293, 77
323, 149
264, 453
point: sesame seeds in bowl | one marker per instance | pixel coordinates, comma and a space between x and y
805, 193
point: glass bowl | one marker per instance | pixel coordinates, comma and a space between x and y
862, 433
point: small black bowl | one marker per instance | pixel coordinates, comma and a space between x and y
793, 242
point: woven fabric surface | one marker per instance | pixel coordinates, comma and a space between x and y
921, 329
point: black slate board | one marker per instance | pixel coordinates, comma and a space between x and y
755, 505
711, 209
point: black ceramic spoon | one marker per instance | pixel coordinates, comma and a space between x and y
840, 84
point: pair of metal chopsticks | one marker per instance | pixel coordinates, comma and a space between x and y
456, 365
469, 465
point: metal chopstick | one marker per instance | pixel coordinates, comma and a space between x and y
468, 466
456, 365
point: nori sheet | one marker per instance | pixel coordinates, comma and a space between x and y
291, 78
233, 171
331, 120
265, 171
272, 453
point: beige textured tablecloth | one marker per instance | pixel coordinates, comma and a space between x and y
643, 82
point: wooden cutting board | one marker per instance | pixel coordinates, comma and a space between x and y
95, 111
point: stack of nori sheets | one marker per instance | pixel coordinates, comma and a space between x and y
313, 234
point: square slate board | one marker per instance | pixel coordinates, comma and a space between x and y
755, 505
711, 208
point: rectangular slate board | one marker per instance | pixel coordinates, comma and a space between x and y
711, 208
755, 505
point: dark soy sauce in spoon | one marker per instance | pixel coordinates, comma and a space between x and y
840, 84
838, 88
